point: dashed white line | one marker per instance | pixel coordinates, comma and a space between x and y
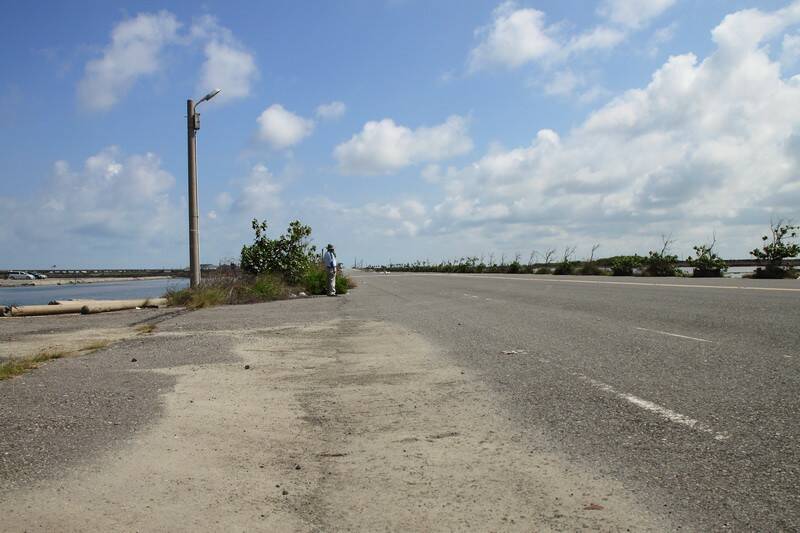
673, 335
663, 412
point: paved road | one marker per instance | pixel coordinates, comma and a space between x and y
687, 391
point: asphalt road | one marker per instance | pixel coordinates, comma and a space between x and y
687, 391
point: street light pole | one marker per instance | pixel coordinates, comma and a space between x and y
192, 125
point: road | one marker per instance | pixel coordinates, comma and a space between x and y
418, 402
687, 391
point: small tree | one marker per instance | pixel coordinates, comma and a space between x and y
566, 266
624, 265
290, 255
548, 258
777, 248
661, 263
706, 263
589, 267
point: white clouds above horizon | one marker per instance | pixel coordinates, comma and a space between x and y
137, 50
331, 111
520, 35
705, 142
113, 201
383, 146
633, 14
134, 51
228, 65
281, 128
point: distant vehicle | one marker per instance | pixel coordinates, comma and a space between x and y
37, 275
18, 274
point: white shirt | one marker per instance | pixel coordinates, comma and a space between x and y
329, 258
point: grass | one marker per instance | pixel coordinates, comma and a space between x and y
238, 288
15, 367
144, 329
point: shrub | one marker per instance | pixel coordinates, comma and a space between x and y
315, 280
662, 263
290, 255
542, 270
590, 268
229, 288
624, 265
268, 287
564, 268
706, 263
773, 254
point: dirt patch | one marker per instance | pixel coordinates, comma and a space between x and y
344, 425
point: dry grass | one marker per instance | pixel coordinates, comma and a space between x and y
15, 367
144, 329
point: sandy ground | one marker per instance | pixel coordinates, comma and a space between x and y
69, 281
338, 425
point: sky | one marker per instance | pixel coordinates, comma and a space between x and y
399, 130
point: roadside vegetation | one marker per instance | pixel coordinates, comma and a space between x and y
17, 366
269, 269
779, 246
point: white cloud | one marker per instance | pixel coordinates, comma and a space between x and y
564, 82
115, 209
391, 219
518, 36
705, 144
134, 51
599, 38
331, 111
515, 37
259, 192
383, 147
661, 37
281, 128
228, 65
633, 14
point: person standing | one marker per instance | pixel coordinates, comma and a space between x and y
329, 260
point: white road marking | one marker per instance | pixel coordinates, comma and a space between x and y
663, 412
556, 279
673, 335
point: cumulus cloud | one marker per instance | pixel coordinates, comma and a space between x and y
383, 146
404, 218
516, 36
114, 205
705, 143
282, 128
228, 65
331, 111
134, 51
259, 192
633, 14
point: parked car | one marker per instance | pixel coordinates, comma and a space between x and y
38, 275
18, 274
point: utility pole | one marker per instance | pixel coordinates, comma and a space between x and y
192, 125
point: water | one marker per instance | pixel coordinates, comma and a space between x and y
733, 272
119, 290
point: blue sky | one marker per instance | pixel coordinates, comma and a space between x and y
398, 130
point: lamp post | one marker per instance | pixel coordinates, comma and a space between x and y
192, 125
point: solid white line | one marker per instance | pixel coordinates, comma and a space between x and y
673, 335
556, 279
663, 412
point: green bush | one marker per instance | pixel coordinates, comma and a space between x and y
564, 268
315, 280
706, 263
342, 284
290, 255
774, 254
542, 270
268, 287
624, 265
590, 268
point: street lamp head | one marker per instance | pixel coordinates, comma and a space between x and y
210, 95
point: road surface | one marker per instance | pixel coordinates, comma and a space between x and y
420, 402
686, 390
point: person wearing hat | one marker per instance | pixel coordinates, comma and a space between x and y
329, 259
